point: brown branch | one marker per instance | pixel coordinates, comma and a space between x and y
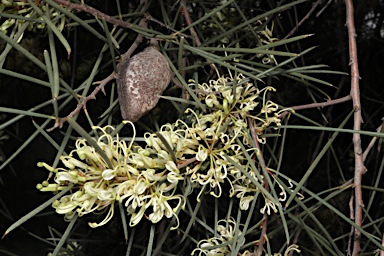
372, 143
352, 217
265, 217
355, 93
318, 105
185, 13
144, 23
98, 14
82, 104
150, 18
185, 162
303, 19
116, 22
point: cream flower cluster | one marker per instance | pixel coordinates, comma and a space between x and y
140, 177
223, 243
204, 149
237, 99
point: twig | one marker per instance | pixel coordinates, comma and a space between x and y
83, 102
323, 9
186, 162
98, 14
303, 19
149, 17
265, 217
352, 217
143, 22
82, 105
319, 105
185, 13
372, 143
355, 93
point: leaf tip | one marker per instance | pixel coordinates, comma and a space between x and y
5, 233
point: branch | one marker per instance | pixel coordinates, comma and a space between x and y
355, 93
303, 19
84, 101
98, 14
373, 141
125, 57
318, 105
352, 217
185, 13
264, 227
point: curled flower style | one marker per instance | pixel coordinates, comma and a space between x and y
212, 166
95, 182
145, 178
243, 187
204, 149
237, 99
221, 244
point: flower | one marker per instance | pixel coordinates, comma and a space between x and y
221, 244
268, 206
95, 182
144, 178
204, 149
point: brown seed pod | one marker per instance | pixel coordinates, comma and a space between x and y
141, 81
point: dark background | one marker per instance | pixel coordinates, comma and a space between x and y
18, 194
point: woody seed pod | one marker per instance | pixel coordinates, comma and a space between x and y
141, 81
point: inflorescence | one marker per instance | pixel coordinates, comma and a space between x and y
205, 149
229, 236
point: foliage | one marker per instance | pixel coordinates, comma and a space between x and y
218, 167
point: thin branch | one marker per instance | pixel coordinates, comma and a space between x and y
355, 93
323, 9
352, 217
185, 162
303, 19
318, 105
98, 14
265, 217
144, 23
82, 104
150, 18
185, 13
372, 143
124, 57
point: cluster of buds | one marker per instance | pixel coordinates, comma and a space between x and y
205, 149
